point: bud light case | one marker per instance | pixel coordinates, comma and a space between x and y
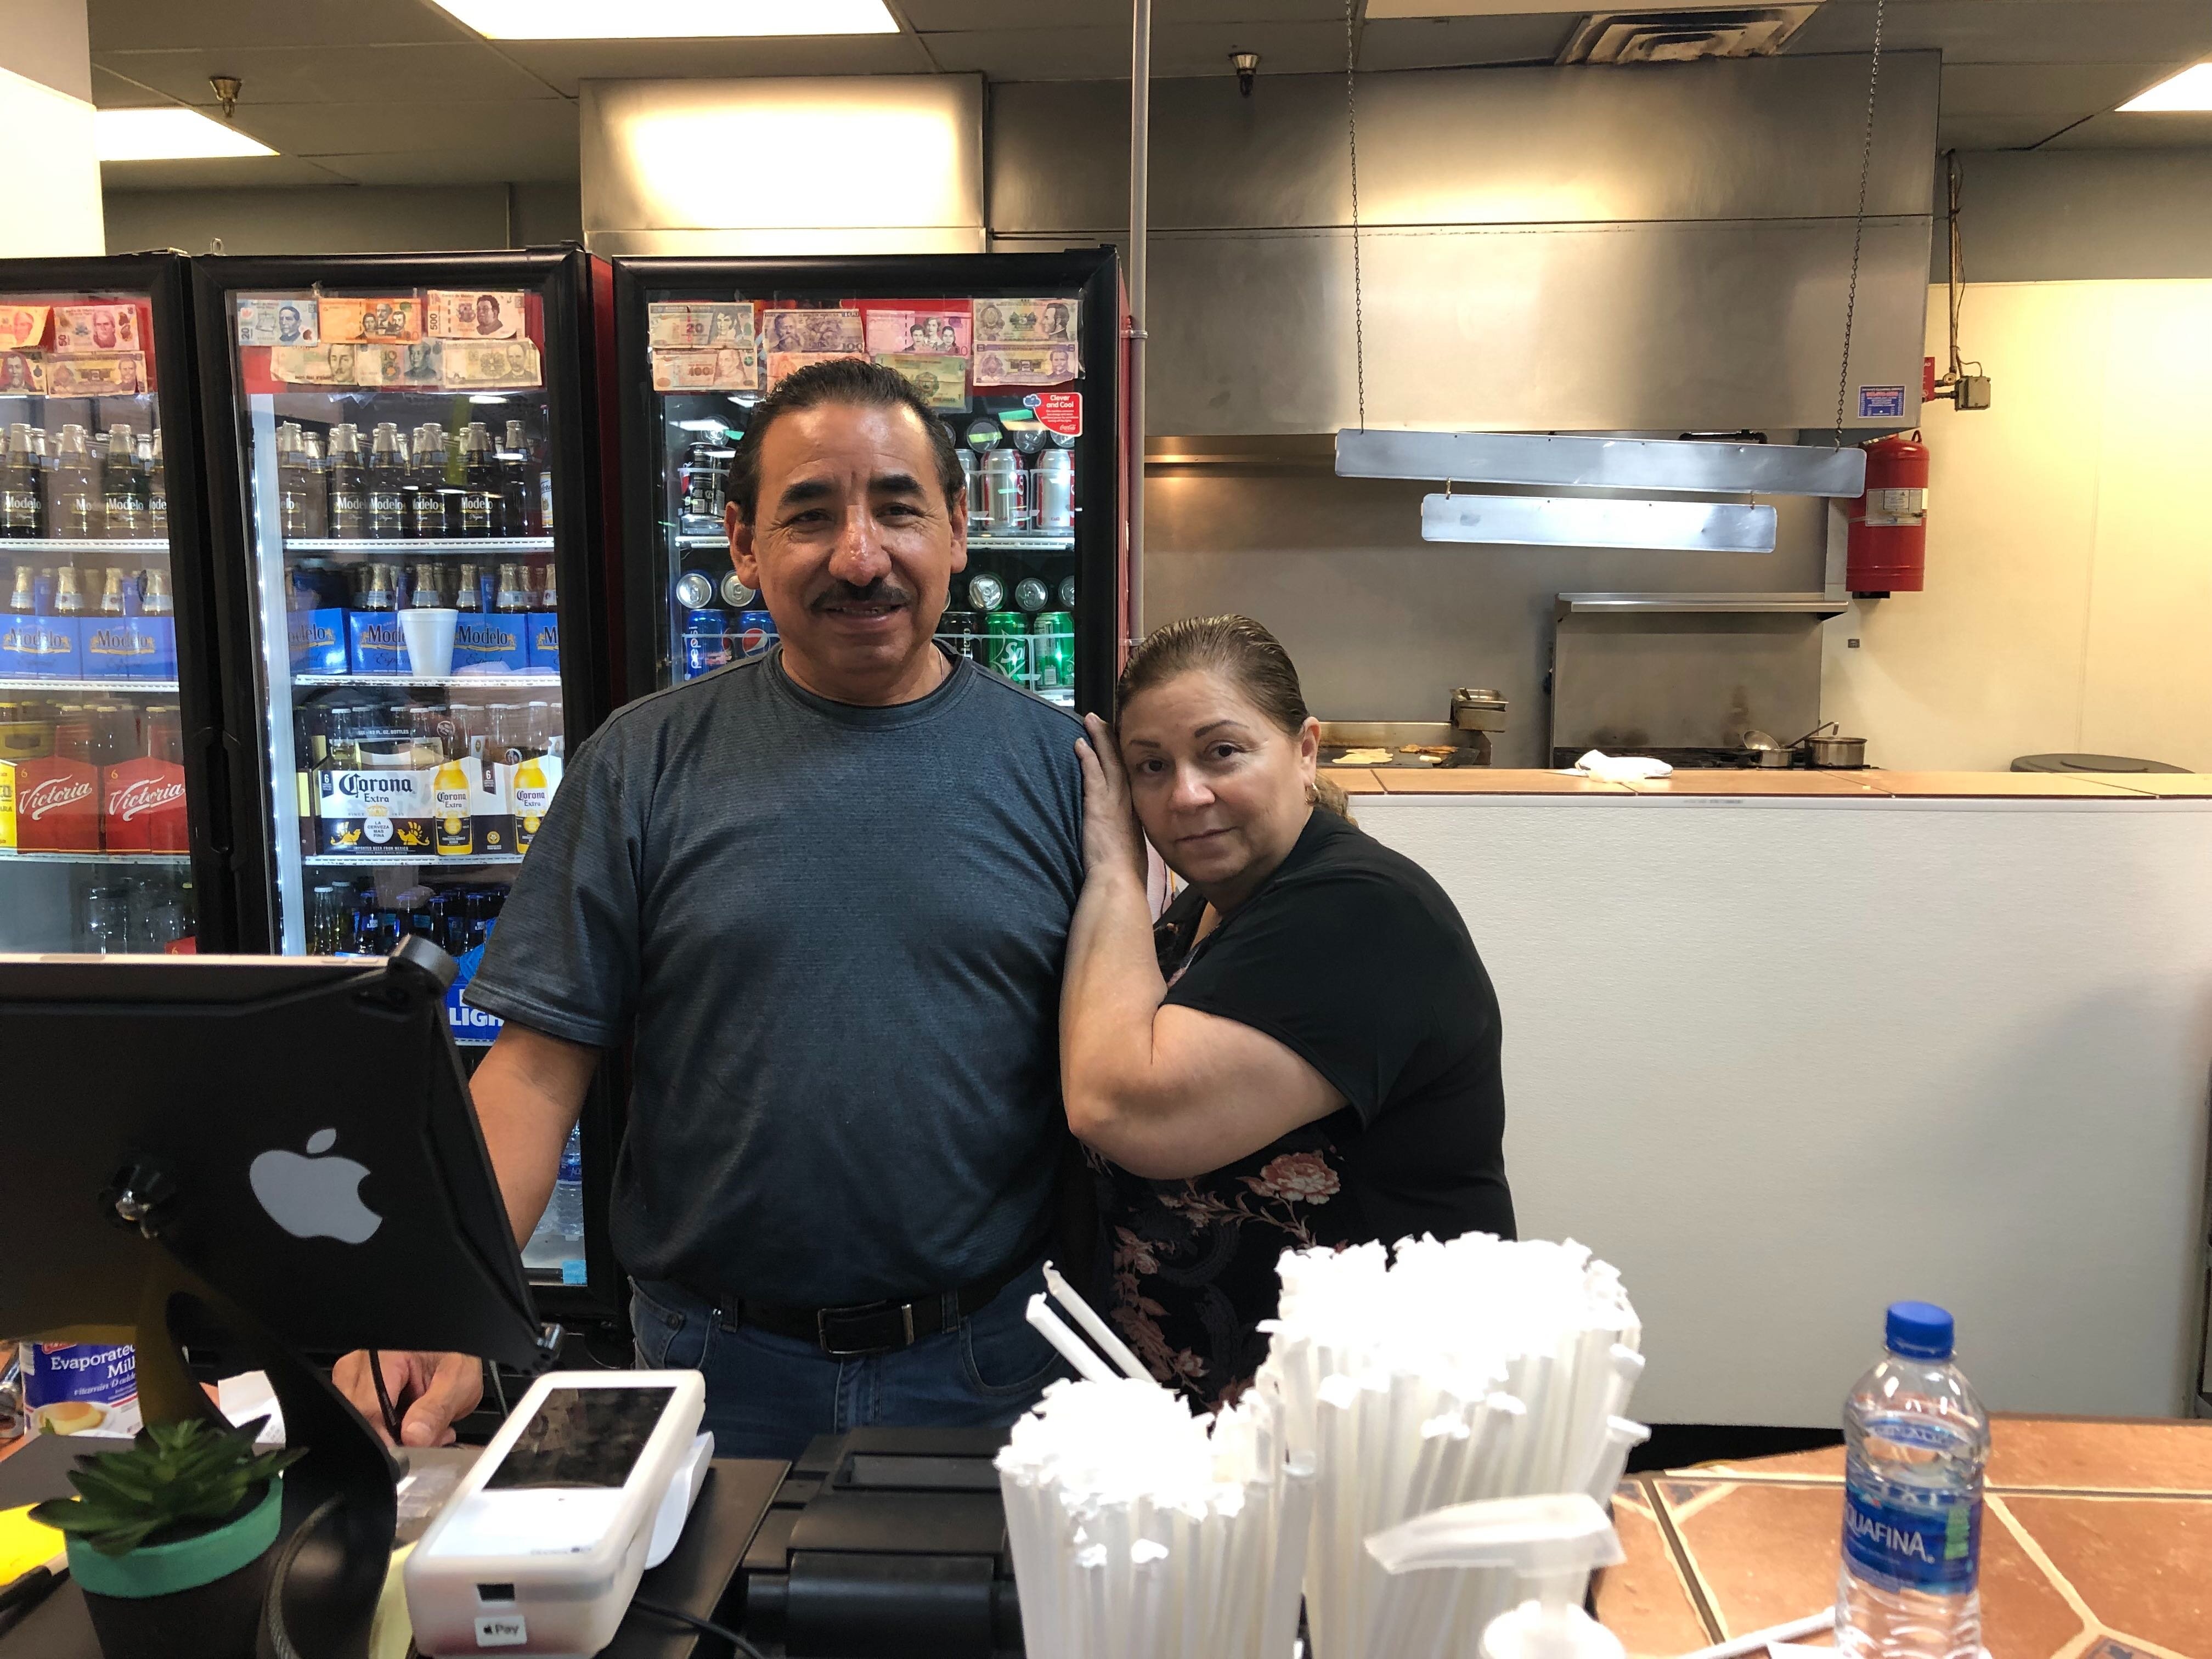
83, 1388
40, 647
545, 641
317, 639
492, 642
468, 1023
375, 644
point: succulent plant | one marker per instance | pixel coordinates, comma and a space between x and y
174, 1480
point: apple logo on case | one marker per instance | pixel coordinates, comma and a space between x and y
315, 1196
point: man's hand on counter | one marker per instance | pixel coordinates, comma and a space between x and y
429, 1391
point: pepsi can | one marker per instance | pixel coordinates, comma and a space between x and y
756, 632
706, 644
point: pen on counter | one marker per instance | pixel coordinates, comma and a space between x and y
24, 1593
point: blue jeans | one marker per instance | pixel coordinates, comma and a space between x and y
768, 1394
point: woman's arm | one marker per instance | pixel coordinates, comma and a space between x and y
1163, 1091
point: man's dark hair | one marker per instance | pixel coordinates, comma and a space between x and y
842, 381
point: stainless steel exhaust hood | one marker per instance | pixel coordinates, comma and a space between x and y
1656, 248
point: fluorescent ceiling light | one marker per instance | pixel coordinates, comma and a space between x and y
1550, 521
168, 135
2191, 89
667, 20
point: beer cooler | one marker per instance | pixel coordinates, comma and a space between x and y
114, 825
405, 501
1020, 355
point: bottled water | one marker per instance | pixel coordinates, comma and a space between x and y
1916, 1440
559, 1240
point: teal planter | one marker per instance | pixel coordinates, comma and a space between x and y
197, 1598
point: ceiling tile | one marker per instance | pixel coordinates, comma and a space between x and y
962, 16
2112, 130
297, 75
138, 25
315, 130
112, 91
564, 62
1179, 51
236, 173
1995, 131
1440, 42
503, 161
2019, 31
2069, 89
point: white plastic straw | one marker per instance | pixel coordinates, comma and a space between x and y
1093, 1326
1087, 1364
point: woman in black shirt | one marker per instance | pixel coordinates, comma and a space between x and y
1303, 1051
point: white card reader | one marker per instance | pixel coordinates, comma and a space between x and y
542, 1545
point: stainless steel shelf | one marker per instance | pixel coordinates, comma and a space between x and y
1021, 544
483, 682
167, 686
406, 544
58, 544
7, 858
1702, 605
421, 860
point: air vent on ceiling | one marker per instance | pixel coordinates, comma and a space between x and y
1682, 36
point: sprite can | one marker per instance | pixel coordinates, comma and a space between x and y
1006, 635
1053, 652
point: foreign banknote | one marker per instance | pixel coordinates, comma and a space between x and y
277, 319
678, 326
21, 326
1025, 322
942, 381
819, 333
21, 371
472, 314
1045, 365
83, 329
328, 364
781, 364
121, 375
474, 363
344, 318
727, 369
928, 333
411, 362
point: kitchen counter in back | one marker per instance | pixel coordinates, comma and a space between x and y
1752, 784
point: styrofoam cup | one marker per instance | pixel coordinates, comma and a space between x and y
429, 635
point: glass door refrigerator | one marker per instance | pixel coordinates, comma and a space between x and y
404, 498
1019, 354
113, 831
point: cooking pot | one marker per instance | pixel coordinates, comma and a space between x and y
1765, 752
1834, 752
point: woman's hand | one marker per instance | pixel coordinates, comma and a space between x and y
1111, 840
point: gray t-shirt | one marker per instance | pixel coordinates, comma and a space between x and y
836, 935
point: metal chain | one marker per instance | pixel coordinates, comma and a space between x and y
1858, 226
1358, 299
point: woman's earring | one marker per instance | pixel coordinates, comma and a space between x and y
1313, 795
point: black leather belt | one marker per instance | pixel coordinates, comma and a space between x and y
870, 1328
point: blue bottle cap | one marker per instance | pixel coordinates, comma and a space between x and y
1919, 1330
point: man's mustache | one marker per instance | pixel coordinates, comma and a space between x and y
882, 591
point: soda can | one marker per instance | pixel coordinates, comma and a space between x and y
706, 644
1054, 479
695, 590
1067, 592
1053, 652
962, 631
735, 594
986, 593
756, 632
1006, 633
1032, 594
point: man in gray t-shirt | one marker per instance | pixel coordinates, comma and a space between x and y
824, 896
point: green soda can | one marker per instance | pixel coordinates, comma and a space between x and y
1006, 635
1053, 651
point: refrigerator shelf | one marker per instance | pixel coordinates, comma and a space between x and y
1021, 544
167, 686
484, 681
8, 858
83, 544
420, 860
407, 544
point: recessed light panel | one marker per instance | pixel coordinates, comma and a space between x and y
2190, 90
168, 135
667, 20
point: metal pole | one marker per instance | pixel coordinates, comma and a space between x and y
1141, 107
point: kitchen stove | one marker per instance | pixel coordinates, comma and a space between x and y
1683, 760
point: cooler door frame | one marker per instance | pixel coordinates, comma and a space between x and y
575, 360
1099, 523
165, 279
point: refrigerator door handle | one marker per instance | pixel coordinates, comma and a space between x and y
211, 746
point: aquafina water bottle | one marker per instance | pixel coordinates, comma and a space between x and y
1916, 1441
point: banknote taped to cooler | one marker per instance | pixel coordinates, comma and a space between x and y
277, 319
783, 364
942, 381
345, 318
1025, 322
415, 362
476, 363
86, 330
21, 371
919, 333
472, 313
21, 325
121, 375
330, 364
732, 368
820, 333
1009, 365
685, 326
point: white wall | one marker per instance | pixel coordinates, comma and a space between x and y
2069, 601
346, 219
1784, 1062
45, 127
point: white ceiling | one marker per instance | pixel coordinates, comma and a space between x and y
394, 92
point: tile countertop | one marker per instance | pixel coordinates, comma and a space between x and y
2096, 1542
1870, 784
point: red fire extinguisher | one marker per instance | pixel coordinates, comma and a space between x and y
1888, 536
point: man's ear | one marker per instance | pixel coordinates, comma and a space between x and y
743, 556
959, 512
